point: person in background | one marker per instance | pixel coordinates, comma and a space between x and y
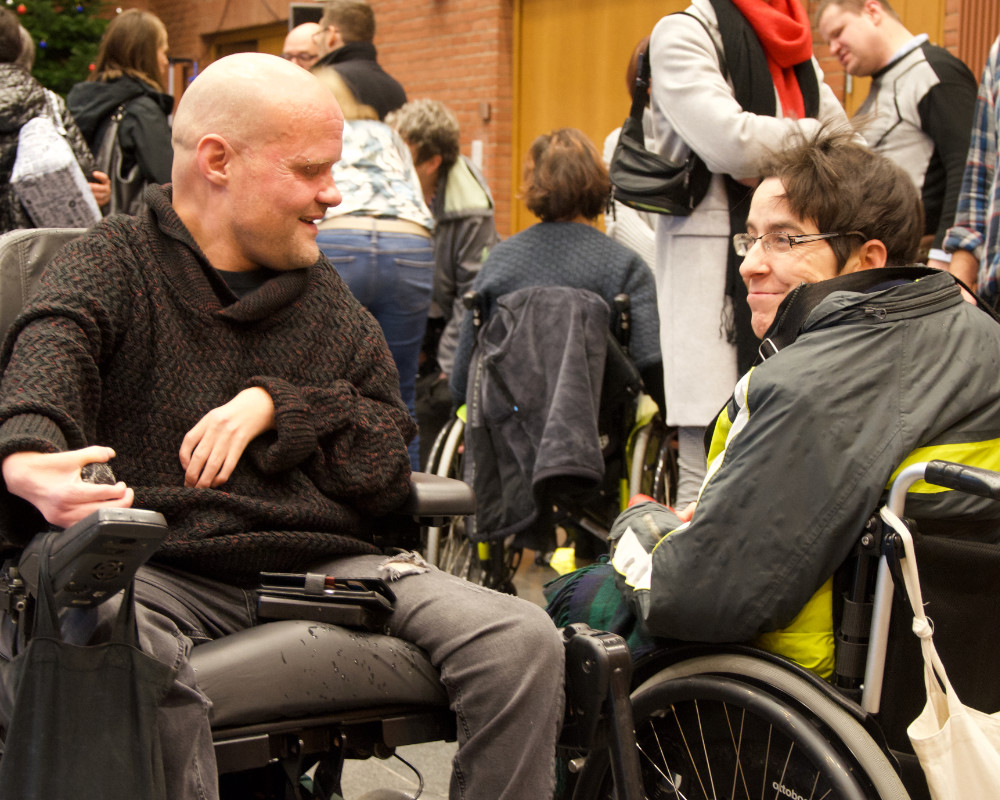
974, 241
728, 114
22, 98
300, 45
131, 72
346, 42
464, 234
379, 237
632, 228
918, 111
566, 186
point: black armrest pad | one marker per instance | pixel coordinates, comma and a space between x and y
435, 496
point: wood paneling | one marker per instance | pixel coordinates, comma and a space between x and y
569, 69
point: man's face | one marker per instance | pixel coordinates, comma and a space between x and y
854, 39
300, 48
283, 187
770, 276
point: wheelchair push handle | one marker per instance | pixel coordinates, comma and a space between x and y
971, 480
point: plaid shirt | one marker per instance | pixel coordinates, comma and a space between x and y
977, 221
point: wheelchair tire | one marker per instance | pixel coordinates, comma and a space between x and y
686, 719
653, 470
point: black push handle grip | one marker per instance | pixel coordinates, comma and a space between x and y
971, 480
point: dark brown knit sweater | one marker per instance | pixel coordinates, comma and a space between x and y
133, 337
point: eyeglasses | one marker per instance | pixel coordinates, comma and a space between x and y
781, 242
302, 59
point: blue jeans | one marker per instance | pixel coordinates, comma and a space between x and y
392, 275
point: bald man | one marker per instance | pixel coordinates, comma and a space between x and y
300, 45
216, 359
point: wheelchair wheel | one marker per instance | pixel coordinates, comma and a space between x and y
732, 726
653, 470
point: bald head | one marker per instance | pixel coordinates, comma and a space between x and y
248, 99
300, 45
255, 131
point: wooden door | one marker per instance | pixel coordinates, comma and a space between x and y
569, 70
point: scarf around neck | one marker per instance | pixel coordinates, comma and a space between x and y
783, 30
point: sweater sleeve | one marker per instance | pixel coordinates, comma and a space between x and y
348, 434
946, 114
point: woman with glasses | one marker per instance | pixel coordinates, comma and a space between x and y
865, 363
729, 79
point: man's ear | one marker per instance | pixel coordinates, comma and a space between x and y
871, 255
873, 10
214, 159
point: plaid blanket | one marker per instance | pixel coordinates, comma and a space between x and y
589, 595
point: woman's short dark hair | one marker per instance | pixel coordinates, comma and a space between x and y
129, 47
835, 181
564, 177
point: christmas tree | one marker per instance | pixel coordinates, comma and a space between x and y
66, 37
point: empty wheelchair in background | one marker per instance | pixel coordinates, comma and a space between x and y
738, 722
555, 433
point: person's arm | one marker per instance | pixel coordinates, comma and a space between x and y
144, 132
347, 433
691, 98
774, 520
969, 231
466, 245
946, 116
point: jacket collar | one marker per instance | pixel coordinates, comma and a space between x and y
804, 298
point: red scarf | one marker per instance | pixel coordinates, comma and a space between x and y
783, 29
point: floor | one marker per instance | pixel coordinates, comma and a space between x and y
433, 759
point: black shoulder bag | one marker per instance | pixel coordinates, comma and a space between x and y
83, 719
646, 181
126, 188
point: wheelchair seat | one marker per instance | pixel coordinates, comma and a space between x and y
292, 669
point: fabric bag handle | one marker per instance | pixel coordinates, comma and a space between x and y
46, 623
946, 702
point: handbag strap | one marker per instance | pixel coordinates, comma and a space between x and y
53, 106
923, 626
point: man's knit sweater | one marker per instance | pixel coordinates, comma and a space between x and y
133, 337
566, 254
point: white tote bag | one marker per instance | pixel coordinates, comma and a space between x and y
958, 747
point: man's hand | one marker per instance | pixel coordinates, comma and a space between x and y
100, 186
51, 482
213, 447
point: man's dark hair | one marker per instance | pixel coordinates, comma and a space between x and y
430, 128
354, 19
835, 181
564, 177
10, 37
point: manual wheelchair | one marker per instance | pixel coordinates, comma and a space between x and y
638, 450
737, 722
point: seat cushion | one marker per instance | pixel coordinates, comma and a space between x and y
295, 668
